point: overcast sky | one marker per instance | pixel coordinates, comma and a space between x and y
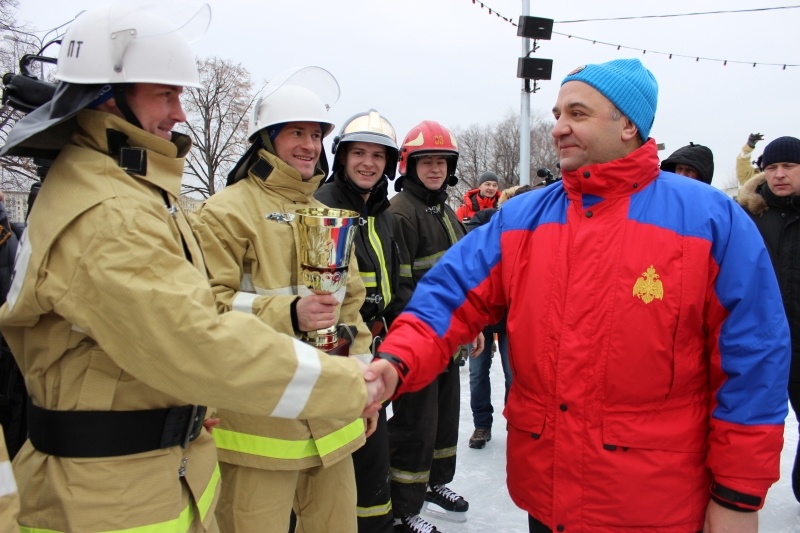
450, 61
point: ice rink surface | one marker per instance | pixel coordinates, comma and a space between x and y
481, 476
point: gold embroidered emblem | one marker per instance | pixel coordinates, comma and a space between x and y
649, 287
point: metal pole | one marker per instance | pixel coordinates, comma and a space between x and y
525, 114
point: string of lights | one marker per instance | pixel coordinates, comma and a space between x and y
670, 55
681, 14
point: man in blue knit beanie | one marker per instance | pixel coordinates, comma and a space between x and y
628, 90
645, 369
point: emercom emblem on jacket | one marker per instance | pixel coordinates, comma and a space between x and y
280, 217
649, 287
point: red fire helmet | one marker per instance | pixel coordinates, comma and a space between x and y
427, 138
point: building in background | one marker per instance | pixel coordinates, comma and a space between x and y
16, 205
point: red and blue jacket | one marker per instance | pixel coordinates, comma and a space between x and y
648, 342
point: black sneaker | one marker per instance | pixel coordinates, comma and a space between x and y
413, 524
480, 437
446, 499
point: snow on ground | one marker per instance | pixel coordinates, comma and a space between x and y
481, 476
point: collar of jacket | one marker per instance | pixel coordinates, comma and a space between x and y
284, 179
614, 179
779, 203
473, 192
378, 200
165, 159
413, 185
749, 196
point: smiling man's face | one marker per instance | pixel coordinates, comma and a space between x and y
299, 144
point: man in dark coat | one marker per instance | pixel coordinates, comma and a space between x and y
365, 159
693, 161
772, 199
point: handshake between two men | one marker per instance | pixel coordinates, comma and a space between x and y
381, 380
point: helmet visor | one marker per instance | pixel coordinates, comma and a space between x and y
315, 79
188, 18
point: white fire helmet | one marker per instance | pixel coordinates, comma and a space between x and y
303, 94
132, 42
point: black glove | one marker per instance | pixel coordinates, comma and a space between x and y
753, 139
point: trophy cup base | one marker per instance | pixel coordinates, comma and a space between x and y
326, 340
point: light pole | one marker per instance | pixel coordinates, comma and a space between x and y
525, 113
529, 68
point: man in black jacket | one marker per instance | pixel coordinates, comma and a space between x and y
423, 431
773, 201
365, 159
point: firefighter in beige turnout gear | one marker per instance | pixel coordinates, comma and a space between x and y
250, 242
110, 315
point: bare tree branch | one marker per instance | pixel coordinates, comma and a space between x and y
16, 173
217, 123
495, 148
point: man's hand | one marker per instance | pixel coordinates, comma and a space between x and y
753, 139
210, 423
370, 424
376, 390
477, 345
722, 520
316, 311
383, 371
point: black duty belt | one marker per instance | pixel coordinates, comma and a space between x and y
112, 433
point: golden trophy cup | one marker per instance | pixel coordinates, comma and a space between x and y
326, 241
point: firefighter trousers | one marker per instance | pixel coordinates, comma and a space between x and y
253, 500
371, 463
423, 435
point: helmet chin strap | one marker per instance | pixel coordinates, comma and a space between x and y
122, 104
361, 190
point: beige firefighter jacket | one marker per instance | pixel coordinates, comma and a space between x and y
105, 312
252, 258
9, 499
744, 167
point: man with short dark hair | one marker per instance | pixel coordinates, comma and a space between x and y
772, 199
648, 341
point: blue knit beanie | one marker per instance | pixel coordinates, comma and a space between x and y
628, 85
